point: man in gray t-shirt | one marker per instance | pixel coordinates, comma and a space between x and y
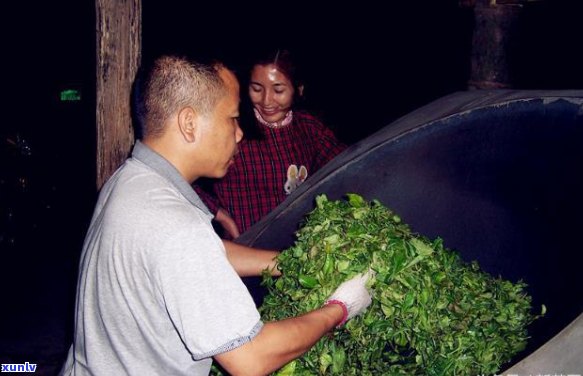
158, 292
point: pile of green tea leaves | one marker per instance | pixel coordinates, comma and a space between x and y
432, 313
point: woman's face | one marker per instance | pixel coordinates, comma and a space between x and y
271, 92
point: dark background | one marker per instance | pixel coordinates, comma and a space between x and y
368, 64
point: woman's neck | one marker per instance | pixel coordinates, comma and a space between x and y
278, 124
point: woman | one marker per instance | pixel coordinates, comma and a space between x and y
283, 148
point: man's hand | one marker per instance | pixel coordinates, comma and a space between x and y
353, 296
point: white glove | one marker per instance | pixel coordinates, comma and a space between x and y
352, 296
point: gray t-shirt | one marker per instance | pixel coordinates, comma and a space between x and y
156, 294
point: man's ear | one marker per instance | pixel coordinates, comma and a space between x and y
187, 122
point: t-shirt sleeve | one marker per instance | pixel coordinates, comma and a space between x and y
210, 307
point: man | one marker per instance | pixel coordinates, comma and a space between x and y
158, 292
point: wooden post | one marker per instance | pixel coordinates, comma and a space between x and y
118, 31
493, 31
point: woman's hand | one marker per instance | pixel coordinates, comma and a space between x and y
227, 222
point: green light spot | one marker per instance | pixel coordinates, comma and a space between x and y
70, 95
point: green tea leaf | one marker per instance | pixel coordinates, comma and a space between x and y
431, 314
307, 281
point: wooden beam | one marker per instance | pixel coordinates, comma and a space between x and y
119, 33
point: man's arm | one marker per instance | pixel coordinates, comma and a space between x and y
249, 261
280, 342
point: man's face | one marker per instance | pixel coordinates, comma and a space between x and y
221, 132
271, 92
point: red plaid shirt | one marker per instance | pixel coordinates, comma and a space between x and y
254, 185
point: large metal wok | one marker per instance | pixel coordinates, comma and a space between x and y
499, 176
